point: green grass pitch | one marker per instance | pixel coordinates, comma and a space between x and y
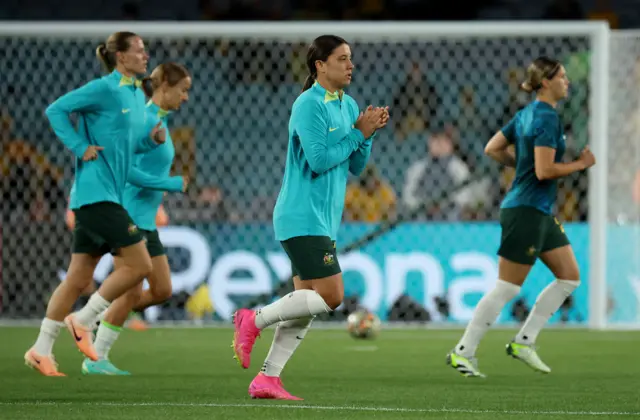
190, 374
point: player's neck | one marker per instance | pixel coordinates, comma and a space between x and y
544, 98
327, 86
123, 71
156, 98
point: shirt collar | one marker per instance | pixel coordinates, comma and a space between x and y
328, 96
161, 113
126, 80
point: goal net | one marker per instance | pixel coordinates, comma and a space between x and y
449, 88
623, 181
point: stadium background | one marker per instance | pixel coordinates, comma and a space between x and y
446, 97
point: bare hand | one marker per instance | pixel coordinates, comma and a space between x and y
185, 183
91, 153
384, 118
158, 133
587, 158
369, 121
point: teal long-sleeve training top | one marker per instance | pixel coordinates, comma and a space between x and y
149, 177
324, 146
112, 114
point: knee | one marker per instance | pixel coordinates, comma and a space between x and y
161, 293
142, 267
80, 279
571, 275
333, 298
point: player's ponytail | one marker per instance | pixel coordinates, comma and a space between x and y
320, 50
541, 68
309, 81
106, 52
106, 60
147, 86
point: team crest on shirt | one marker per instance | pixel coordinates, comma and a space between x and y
328, 259
133, 229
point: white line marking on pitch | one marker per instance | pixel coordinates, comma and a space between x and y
328, 408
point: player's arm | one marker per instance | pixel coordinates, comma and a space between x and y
144, 180
547, 168
499, 147
636, 188
358, 159
87, 98
312, 127
147, 142
545, 144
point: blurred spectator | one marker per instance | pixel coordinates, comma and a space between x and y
184, 142
473, 133
370, 198
516, 97
31, 185
414, 104
435, 182
204, 204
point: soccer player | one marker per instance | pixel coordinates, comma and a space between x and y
168, 87
113, 124
529, 230
328, 138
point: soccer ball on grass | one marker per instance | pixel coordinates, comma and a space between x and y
363, 324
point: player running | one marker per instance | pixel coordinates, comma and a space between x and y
168, 87
529, 230
328, 138
113, 126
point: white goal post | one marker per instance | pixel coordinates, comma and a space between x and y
473, 48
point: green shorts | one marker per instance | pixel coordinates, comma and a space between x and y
154, 246
527, 232
312, 257
103, 227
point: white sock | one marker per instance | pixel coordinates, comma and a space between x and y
485, 315
288, 336
547, 303
99, 319
89, 313
297, 304
49, 331
106, 336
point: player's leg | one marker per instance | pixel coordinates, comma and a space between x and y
85, 257
118, 312
111, 323
519, 248
286, 339
316, 261
159, 291
558, 256
112, 223
160, 279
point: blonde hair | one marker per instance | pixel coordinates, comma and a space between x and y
541, 68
